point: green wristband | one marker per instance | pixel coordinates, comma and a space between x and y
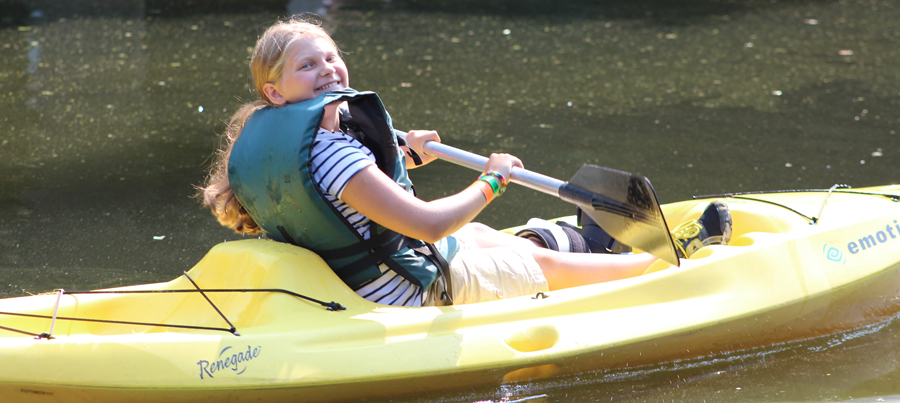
500, 181
491, 180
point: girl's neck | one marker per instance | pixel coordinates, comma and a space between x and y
331, 126
331, 121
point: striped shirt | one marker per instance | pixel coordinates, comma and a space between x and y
335, 158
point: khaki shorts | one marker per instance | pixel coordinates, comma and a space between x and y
489, 274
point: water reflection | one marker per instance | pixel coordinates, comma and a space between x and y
860, 365
110, 110
318, 7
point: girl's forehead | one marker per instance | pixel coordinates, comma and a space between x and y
309, 46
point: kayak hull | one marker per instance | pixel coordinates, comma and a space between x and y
780, 279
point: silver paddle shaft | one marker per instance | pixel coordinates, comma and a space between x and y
524, 177
634, 218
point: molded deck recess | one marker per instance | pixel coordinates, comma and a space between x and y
533, 339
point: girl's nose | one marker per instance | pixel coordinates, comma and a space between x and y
327, 69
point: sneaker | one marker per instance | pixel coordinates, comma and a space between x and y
713, 228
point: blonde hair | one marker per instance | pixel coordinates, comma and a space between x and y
266, 65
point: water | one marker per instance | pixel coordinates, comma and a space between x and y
859, 366
110, 112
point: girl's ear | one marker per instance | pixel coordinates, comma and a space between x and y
272, 93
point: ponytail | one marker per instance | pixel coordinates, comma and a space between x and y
217, 194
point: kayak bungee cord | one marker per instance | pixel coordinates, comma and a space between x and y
331, 306
812, 220
117, 322
19, 331
233, 329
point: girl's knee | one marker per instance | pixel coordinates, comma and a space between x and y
547, 259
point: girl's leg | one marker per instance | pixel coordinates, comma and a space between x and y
564, 270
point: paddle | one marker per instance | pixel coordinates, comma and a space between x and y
623, 204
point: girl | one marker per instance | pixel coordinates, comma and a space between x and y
315, 163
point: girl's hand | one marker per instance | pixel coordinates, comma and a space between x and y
503, 163
416, 139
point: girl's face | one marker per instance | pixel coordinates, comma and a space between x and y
312, 67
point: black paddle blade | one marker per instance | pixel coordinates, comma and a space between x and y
625, 206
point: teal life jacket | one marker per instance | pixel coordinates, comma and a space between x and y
270, 176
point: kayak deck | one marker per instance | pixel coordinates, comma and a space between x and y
779, 279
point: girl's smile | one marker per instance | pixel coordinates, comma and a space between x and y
328, 86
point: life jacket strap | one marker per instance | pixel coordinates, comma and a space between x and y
376, 257
360, 247
382, 254
430, 251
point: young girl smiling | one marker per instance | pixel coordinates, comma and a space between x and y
318, 164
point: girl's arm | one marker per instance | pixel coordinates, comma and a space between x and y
377, 197
416, 140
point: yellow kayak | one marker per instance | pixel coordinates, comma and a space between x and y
800, 264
